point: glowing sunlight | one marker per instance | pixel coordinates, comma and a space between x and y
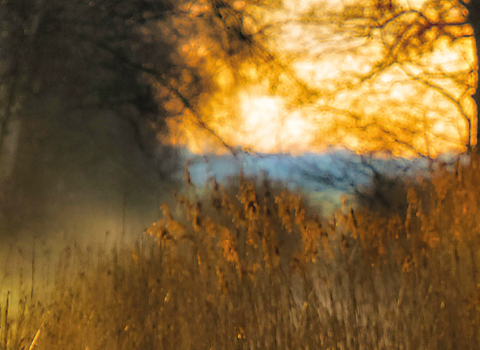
318, 83
269, 128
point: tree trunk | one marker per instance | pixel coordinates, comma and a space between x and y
474, 20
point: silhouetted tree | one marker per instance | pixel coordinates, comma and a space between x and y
387, 89
184, 64
474, 21
77, 114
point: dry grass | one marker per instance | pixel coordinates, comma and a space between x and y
252, 266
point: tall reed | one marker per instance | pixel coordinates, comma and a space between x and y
251, 265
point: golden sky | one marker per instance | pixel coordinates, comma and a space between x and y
315, 95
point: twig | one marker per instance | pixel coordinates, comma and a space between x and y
37, 335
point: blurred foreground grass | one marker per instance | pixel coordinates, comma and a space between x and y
252, 266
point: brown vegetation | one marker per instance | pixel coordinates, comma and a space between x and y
252, 266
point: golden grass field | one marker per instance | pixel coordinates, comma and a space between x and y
251, 265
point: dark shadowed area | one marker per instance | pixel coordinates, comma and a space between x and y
79, 154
